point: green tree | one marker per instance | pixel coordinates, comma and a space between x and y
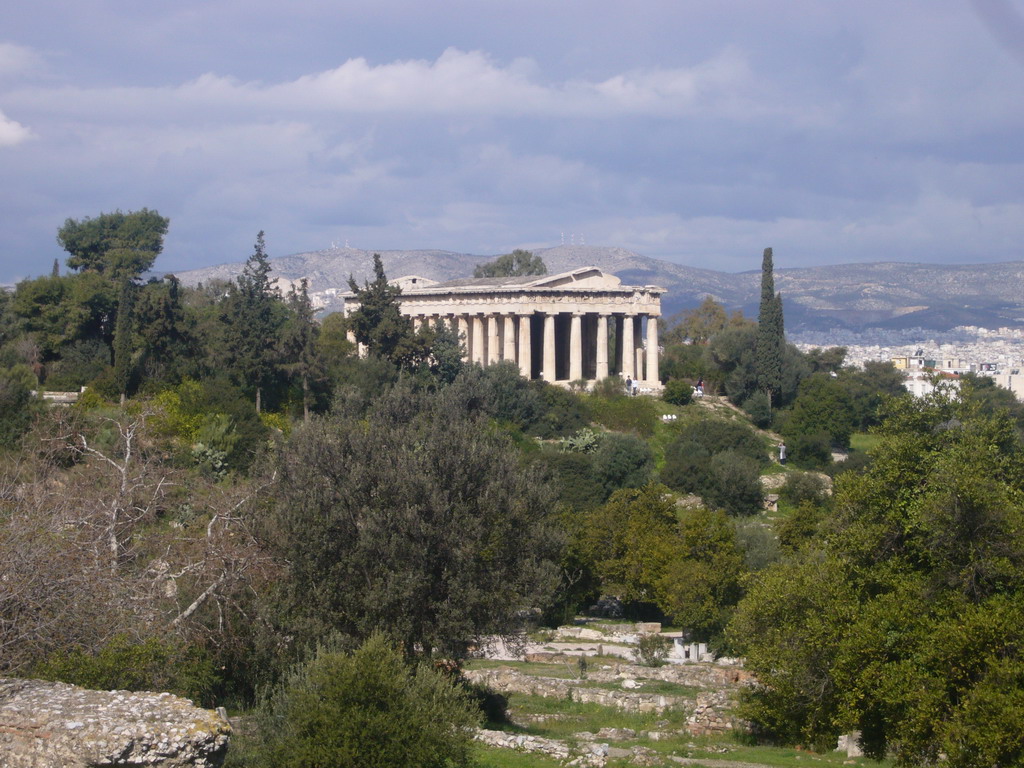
252, 319
822, 405
123, 347
414, 519
632, 540
119, 245
898, 623
515, 264
698, 325
702, 584
299, 344
771, 338
17, 404
367, 708
379, 324
166, 337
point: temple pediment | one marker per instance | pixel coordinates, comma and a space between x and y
584, 277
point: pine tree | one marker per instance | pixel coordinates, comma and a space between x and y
253, 324
299, 348
770, 332
123, 339
380, 325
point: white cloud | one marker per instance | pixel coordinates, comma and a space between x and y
457, 83
18, 59
11, 132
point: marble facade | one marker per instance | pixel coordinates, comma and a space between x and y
577, 325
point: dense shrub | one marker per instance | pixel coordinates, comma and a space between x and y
678, 392
715, 436
623, 461
132, 665
17, 406
626, 414
812, 451
733, 484
652, 650
804, 486
759, 407
367, 708
686, 466
574, 478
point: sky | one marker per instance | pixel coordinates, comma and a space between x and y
693, 131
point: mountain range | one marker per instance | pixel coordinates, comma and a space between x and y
851, 296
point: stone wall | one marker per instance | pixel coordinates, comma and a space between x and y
55, 725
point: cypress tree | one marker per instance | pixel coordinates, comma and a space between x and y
252, 324
770, 331
123, 339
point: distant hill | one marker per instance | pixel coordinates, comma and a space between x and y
853, 296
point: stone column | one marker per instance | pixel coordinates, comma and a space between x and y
652, 350
478, 339
638, 345
525, 349
462, 326
628, 350
508, 351
492, 339
620, 361
602, 347
548, 370
576, 347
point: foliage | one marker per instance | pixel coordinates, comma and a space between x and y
252, 321
638, 415
652, 650
702, 583
822, 406
631, 541
574, 479
17, 405
717, 435
810, 451
698, 325
759, 408
366, 708
118, 245
379, 324
515, 264
609, 388
623, 461
678, 392
734, 484
923, 545
804, 486
126, 664
771, 338
584, 441
412, 518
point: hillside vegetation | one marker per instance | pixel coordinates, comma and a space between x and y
239, 509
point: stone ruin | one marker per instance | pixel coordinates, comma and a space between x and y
55, 725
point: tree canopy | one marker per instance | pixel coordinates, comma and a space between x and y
115, 244
515, 264
902, 621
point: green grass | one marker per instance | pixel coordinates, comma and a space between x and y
580, 716
496, 757
861, 441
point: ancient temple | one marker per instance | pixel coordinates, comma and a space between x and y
583, 324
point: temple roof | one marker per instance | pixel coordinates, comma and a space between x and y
582, 277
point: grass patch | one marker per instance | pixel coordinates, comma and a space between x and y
861, 441
496, 757
579, 716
